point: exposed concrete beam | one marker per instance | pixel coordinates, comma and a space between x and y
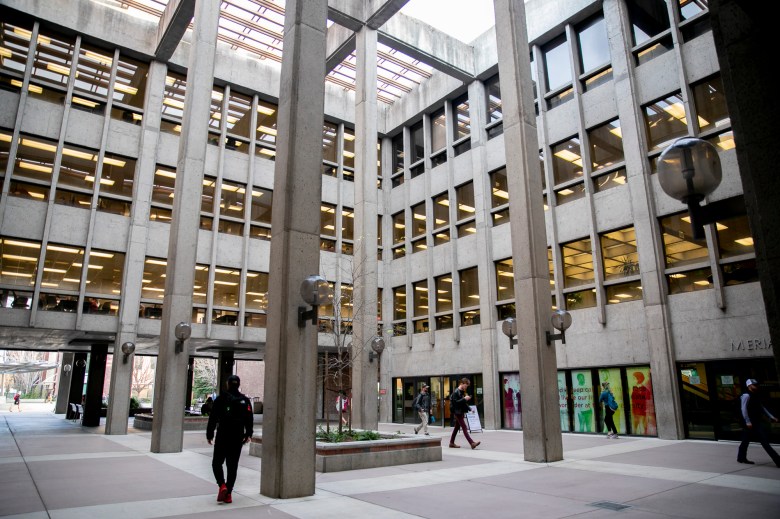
346, 13
382, 10
173, 24
432, 47
340, 43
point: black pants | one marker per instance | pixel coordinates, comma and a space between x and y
608, 421
227, 450
758, 430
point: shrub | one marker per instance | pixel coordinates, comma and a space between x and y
134, 403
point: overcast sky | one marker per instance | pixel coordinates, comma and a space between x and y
463, 19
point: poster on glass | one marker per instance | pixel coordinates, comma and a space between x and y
511, 399
642, 405
612, 376
582, 396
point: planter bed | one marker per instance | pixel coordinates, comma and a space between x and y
385, 452
143, 421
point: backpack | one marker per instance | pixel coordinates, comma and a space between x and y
416, 402
235, 410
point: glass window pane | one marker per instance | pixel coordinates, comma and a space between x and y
441, 211
232, 197
398, 153
94, 70
420, 298
130, 86
438, 130
593, 43
624, 292
505, 280
19, 262
399, 228
78, 167
567, 160
465, 197
53, 58
469, 287
462, 126
609, 180
690, 8
15, 43
347, 223
328, 219
443, 293
418, 220
710, 103
557, 63
217, 97
680, 249
262, 200
740, 272
577, 263
399, 303
117, 176
418, 138
35, 158
493, 91
648, 19
665, 121
582, 397
499, 188
200, 284
207, 195
606, 145
104, 272
266, 123
618, 249
173, 99
239, 115
154, 279
349, 148
329, 135
62, 267
734, 237
690, 281
581, 299
226, 286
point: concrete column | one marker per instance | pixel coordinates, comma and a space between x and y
171, 371
538, 369
287, 470
224, 369
364, 324
63, 384
120, 389
743, 32
97, 375
77, 379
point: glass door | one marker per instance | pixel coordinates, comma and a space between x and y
697, 404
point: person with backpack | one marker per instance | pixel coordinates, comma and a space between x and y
459, 406
752, 414
17, 402
232, 417
610, 406
422, 404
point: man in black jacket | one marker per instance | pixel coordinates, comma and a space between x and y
232, 417
459, 406
753, 411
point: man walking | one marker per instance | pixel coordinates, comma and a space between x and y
423, 406
232, 417
17, 403
753, 411
459, 406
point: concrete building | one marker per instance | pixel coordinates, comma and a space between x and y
94, 135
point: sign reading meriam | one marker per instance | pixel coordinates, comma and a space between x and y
746, 345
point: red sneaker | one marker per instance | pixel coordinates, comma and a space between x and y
228, 498
223, 493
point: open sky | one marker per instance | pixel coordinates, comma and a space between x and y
463, 19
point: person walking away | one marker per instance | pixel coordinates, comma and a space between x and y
232, 417
610, 406
17, 403
459, 405
342, 406
753, 411
422, 404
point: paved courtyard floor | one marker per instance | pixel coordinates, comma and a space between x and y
53, 468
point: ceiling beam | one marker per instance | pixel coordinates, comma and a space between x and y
173, 24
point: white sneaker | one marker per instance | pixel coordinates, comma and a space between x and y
609, 436
615, 437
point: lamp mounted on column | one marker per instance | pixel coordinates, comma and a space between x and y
81, 363
182, 333
688, 171
560, 320
378, 346
316, 291
66, 368
510, 330
127, 349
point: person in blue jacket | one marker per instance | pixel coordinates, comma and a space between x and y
607, 399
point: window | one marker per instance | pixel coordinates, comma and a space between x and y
90, 87
226, 287
51, 67
687, 261
399, 235
606, 154
200, 284
15, 40
62, 267
469, 296
417, 167
34, 159
260, 213
693, 19
618, 249
129, 90
256, 301
232, 198
349, 154
117, 176
238, 124
441, 219
443, 287
207, 203
265, 133
104, 274
505, 288
567, 171
594, 52
624, 292
19, 264
398, 160
665, 121
379, 237
418, 227
736, 251
557, 67
438, 131
173, 103
399, 310
217, 97
495, 115
461, 130
153, 288
327, 227
77, 168
649, 29
420, 302
690, 8
499, 197
329, 138
347, 230
710, 102
464, 195
577, 259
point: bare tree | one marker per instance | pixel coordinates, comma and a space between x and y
205, 375
143, 375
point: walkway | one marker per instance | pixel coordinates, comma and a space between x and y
53, 468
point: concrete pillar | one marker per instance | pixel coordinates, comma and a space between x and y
120, 389
743, 32
63, 383
538, 369
287, 470
171, 374
97, 375
365, 276
77, 379
224, 369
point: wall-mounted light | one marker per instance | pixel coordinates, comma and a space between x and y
67, 368
127, 349
378, 346
182, 333
560, 320
81, 363
510, 330
316, 291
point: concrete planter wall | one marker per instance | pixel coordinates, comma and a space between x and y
143, 421
385, 452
